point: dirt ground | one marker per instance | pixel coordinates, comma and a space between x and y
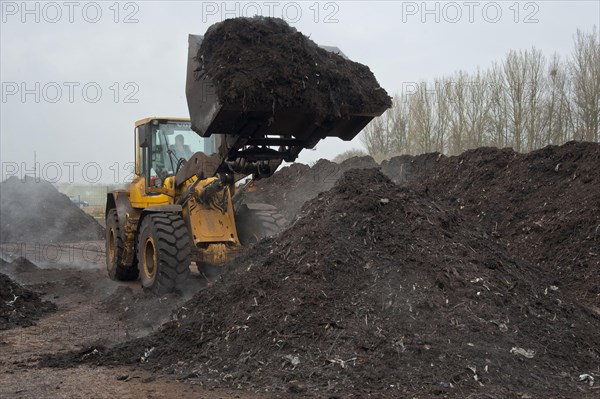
90, 309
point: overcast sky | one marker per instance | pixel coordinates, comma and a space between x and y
77, 75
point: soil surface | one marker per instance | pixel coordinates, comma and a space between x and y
544, 205
89, 308
298, 75
34, 210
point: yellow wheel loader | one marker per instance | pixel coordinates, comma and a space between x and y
183, 204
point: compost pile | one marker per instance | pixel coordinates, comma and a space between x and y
19, 307
375, 288
545, 204
290, 187
17, 266
35, 211
263, 63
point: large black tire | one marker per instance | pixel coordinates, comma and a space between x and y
115, 266
257, 222
164, 252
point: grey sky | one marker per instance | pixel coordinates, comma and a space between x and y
140, 66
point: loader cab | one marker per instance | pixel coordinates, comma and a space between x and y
163, 146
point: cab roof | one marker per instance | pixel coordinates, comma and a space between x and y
147, 120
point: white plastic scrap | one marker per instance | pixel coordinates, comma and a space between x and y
475, 376
528, 353
341, 362
147, 353
92, 353
10, 303
552, 288
294, 360
587, 378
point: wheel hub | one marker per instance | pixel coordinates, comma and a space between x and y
149, 258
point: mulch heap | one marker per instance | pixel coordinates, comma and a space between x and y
17, 266
19, 306
378, 289
545, 205
291, 186
35, 211
263, 63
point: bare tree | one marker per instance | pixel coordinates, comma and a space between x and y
535, 67
456, 93
422, 118
558, 113
585, 69
376, 138
398, 115
478, 109
514, 82
442, 114
498, 107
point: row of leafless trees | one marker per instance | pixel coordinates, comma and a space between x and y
526, 101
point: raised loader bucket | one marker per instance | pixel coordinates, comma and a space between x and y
259, 128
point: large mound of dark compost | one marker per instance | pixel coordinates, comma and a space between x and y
376, 288
544, 204
33, 210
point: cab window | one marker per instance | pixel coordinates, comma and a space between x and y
173, 143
